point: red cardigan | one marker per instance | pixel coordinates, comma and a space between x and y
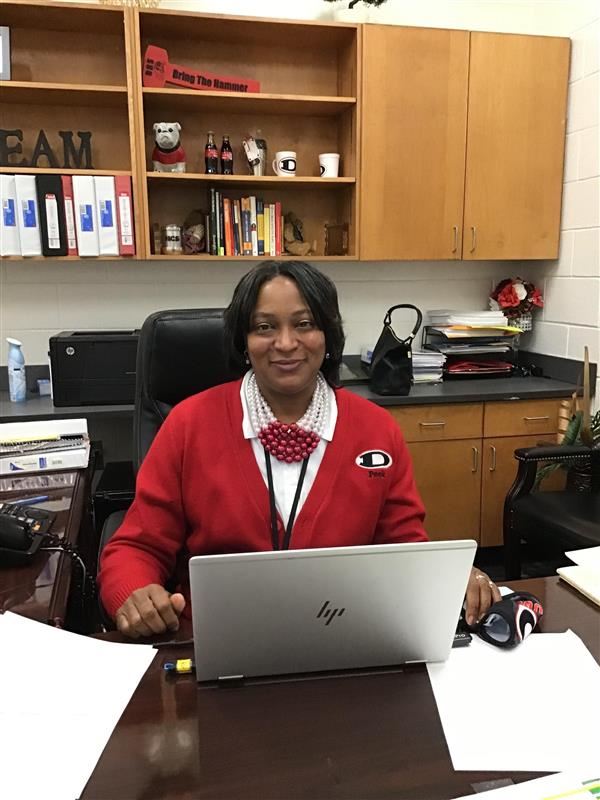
200, 491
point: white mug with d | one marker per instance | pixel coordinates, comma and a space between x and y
329, 165
284, 163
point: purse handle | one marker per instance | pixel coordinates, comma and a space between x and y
388, 319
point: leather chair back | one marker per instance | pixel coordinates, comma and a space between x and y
180, 353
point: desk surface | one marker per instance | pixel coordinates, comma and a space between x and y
39, 589
350, 737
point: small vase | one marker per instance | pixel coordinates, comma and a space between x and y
525, 322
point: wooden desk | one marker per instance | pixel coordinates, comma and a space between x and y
357, 737
40, 588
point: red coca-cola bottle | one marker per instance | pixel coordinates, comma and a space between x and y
226, 157
211, 155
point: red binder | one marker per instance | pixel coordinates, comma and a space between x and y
125, 215
67, 187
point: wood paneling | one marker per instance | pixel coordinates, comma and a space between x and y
515, 145
413, 142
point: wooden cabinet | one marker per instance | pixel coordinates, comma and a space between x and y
308, 101
448, 476
71, 71
463, 460
429, 98
515, 145
414, 112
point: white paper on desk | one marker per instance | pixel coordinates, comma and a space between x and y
534, 708
551, 787
61, 696
586, 557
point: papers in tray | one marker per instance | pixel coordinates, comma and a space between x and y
43, 445
445, 316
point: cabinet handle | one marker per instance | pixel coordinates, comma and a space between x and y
535, 419
473, 238
432, 424
455, 229
475, 466
493, 464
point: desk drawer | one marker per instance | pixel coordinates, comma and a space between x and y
438, 422
521, 417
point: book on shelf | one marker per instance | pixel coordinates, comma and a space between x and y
221, 225
67, 188
126, 227
86, 219
28, 216
267, 229
260, 226
253, 226
229, 249
51, 206
246, 227
10, 240
108, 240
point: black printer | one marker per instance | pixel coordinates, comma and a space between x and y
93, 367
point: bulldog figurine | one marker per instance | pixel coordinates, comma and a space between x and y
168, 154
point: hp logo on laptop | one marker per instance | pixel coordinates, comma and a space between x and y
329, 613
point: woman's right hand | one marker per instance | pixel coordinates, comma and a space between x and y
148, 611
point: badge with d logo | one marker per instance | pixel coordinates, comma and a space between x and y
374, 459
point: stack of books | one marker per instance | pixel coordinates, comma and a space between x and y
427, 366
475, 343
243, 227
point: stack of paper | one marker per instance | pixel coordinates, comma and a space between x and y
427, 366
61, 696
586, 575
445, 316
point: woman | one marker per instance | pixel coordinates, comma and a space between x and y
278, 459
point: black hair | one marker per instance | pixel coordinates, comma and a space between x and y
316, 288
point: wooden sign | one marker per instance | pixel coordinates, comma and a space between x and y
73, 156
156, 71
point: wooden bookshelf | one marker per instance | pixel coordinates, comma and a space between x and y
309, 102
71, 69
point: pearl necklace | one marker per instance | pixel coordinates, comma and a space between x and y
296, 441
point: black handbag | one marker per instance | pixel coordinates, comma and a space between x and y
391, 364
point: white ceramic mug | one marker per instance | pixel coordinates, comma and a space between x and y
284, 163
329, 165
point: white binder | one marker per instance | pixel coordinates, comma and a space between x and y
10, 241
107, 215
86, 218
28, 217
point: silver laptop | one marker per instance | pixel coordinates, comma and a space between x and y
295, 611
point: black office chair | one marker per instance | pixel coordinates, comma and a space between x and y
565, 520
180, 353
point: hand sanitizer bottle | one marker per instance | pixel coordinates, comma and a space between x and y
16, 372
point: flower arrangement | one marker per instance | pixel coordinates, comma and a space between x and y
515, 297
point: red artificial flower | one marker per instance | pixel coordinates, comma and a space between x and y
536, 298
508, 298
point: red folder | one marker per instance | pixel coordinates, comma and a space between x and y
67, 187
125, 215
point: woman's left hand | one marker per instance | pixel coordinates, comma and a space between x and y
481, 593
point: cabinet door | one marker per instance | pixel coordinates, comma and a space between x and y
413, 142
499, 470
448, 477
515, 144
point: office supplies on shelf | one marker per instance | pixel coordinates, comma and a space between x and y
558, 736
67, 187
125, 215
43, 445
85, 688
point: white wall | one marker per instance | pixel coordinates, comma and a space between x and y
40, 298
571, 285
